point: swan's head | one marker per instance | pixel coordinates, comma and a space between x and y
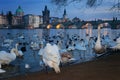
16, 44
100, 25
48, 44
67, 55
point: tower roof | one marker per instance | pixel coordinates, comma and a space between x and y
19, 10
64, 11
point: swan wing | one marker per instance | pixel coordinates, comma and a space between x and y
51, 53
2, 71
6, 56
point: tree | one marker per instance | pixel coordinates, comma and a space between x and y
90, 3
9, 17
116, 6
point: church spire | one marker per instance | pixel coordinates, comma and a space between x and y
64, 14
2, 12
19, 7
45, 7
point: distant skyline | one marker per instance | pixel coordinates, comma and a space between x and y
73, 10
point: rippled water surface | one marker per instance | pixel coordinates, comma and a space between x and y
31, 57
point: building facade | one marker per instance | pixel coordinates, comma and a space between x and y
32, 21
3, 20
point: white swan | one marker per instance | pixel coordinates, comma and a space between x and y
19, 51
6, 58
117, 46
98, 47
71, 46
7, 43
21, 37
82, 48
108, 42
59, 44
2, 71
34, 46
118, 40
91, 43
80, 45
51, 57
66, 57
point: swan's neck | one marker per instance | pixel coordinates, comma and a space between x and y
99, 33
0, 66
82, 44
13, 53
98, 42
16, 47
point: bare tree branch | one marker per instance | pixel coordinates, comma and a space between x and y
89, 3
116, 6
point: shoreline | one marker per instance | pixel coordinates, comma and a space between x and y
103, 68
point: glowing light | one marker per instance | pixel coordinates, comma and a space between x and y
59, 26
49, 26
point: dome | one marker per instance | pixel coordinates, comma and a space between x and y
19, 11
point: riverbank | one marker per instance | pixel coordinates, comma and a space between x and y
103, 68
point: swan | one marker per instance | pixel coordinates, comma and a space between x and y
7, 43
98, 48
81, 47
34, 45
2, 71
108, 42
66, 57
91, 43
59, 44
51, 56
40, 53
117, 46
118, 40
21, 37
6, 58
71, 45
19, 51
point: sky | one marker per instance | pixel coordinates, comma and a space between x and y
74, 9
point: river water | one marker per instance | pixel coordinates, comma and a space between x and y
31, 57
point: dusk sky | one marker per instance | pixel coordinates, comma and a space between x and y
79, 10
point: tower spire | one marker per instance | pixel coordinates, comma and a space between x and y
64, 11
45, 7
2, 12
64, 14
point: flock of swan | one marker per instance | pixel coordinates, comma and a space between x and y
52, 53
